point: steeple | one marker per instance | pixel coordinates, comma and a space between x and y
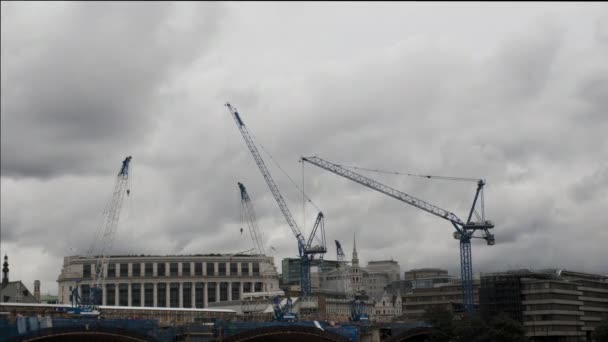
5, 271
355, 260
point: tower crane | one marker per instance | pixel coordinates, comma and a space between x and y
306, 250
268, 268
101, 246
464, 230
357, 313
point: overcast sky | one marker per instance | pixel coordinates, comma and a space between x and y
515, 93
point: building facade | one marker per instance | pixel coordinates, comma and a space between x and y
183, 281
389, 267
447, 296
553, 305
387, 307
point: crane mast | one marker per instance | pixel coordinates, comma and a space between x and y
305, 250
464, 231
111, 217
252, 221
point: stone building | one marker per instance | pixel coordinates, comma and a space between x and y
179, 281
553, 305
446, 296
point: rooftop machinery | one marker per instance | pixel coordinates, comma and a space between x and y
464, 230
306, 250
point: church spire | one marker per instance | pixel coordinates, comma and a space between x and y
5, 271
355, 260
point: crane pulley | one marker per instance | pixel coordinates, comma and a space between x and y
464, 230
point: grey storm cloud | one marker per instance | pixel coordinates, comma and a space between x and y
516, 96
87, 79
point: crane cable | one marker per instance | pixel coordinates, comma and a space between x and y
409, 174
286, 174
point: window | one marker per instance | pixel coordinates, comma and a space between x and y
233, 268
210, 269
256, 268
174, 295
111, 271
198, 294
173, 269
222, 268
149, 269
187, 293
86, 271
211, 292
135, 294
247, 287
186, 270
198, 269
85, 292
123, 294
235, 291
161, 269
111, 294
258, 287
245, 268
136, 269
149, 294
161, 295
223, 291
124, 270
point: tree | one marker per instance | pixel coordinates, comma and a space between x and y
471, 329
601, 331
442, 322
505, 329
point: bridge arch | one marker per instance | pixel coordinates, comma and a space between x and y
282, 333
95, 334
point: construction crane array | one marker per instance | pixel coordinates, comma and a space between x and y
464, 230
306, 250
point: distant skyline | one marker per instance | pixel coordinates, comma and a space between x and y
513, 93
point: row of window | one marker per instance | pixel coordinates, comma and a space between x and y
173, 269
552, 306
173, 289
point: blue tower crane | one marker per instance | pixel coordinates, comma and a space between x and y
464, 230
306, 250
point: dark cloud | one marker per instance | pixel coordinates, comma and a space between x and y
90, 81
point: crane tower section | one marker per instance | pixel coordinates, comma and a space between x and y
111, 217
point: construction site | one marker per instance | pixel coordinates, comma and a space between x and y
242, 296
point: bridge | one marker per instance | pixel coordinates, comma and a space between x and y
37, 322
